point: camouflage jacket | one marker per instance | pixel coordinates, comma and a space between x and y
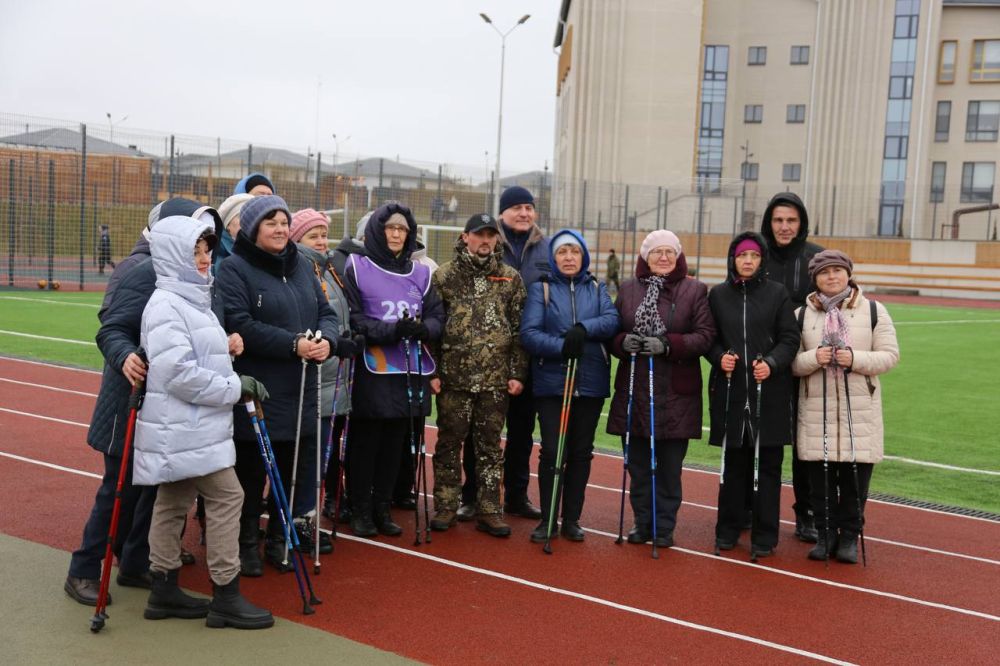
480, 348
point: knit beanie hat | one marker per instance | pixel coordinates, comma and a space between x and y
232, 206
305, 220
746, 244
828, 258
515, 195
564, 239
255, 210
256, 179
659, 238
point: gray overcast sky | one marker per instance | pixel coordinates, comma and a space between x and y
416, 78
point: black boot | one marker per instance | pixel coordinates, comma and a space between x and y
230, 609
638, 534
250, 564
546, 479
805, 527
166, 599
847, 549
383, 521
822, 550
571, 530
541, 532
274, 552
361, 521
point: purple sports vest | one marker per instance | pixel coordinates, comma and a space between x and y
387, 297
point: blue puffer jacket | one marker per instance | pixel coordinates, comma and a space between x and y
185, 428
581, 300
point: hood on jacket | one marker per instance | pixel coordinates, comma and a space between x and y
785, 199
172, 246
376, 245
679, 273
761, 273
241, 187
179, 206
552, 257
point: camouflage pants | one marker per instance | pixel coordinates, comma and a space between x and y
459, 413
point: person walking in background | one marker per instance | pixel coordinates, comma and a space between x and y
567, 318
612, 269
481, 365
665, 316
853, 341
104, 250
756, 340
785, 227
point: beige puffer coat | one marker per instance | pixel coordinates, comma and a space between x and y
875, 353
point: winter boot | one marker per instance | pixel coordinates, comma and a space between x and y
250, 564
822, 550
361, 521
492, 524
383, 521
639, 534
443, 519
805, 527
571, 530
541, 532
229, 609
166, 599
847, 549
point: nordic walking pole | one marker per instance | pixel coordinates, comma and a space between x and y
628, 437
342, 450
422, 476
652, 453
298, 436
826, 477
319, 455
854, 467
567, 402
725, 433
756, 468
134, 405
413, 440
273, 476
328, 447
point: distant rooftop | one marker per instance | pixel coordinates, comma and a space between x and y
66, 139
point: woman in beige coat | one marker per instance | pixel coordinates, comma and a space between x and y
847, 341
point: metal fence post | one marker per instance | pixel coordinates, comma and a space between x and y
319, 165
666, 201
659, 195
52, 221
701, 214
170, 175
83, 194
10, 224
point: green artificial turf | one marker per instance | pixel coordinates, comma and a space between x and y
939, 402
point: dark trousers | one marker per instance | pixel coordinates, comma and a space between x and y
251, 473
132, 546
405, 476
669, 459
332, 477
374, 461
844, 495
733, 493
517, 452
577, 453
801, 485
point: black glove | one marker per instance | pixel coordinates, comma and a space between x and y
347, 346
407, 328
573, 342
422, 333
251, 388
632, 344
653, 346
359, 343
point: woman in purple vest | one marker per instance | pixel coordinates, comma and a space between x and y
394, 306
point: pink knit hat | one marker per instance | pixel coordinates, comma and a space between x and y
659, 238
746, 244
304, 220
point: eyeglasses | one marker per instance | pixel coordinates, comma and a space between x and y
662, 252
396, 230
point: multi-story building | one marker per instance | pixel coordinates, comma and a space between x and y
882, 114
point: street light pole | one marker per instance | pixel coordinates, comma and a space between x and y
111, 126
503, 53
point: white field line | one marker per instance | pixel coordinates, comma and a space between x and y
942, 322
50, 339
44, 418
952, 468
791, 574
49, 365
49, 300
48, 388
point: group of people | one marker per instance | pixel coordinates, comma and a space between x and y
248, 302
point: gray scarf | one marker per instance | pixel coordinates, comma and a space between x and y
648, 322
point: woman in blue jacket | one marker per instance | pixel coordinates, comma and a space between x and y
568, 316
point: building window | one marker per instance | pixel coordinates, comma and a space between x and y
985, 60
938, 171
751, 170
900, 87
946, 62
791, 173
942, 122
796, 113
896, 147
977, 182
757, 55
753, 113
800, 55
981, 124
713, 116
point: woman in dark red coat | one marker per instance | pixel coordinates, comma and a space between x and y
665, 315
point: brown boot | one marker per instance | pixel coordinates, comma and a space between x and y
443, 519
492, 525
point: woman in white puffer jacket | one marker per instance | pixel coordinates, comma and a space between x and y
852, 340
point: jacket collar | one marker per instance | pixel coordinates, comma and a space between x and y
280, 265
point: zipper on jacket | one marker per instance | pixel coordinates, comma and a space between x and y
572, 300
795, 284
114, 426
260, 297
746, 364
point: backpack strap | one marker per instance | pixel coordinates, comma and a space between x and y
802, 317
874, 313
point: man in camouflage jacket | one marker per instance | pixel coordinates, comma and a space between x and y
481, 364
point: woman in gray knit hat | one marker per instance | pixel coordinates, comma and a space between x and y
847, 341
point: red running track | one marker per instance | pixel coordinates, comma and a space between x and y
929, 594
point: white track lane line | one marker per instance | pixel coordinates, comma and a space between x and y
50, 365
592, 599
50, 339
49, 300
707, 507
48, 388
59, 468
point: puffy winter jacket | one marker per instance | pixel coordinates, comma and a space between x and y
544, 325
875, 353
532, 262
185, 427
752, 317
683, 307
789, 265
269, 299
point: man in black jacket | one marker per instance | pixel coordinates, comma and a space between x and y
785, 227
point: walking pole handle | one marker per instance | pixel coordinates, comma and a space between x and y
759, 359
729, 352
138, 392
